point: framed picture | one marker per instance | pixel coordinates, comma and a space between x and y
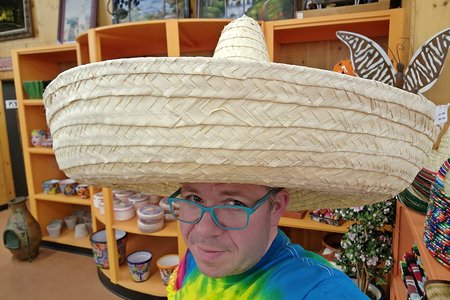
75, 17
15, 19
140, 10
262, 10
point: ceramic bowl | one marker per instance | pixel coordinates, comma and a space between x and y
150, 213
124, 211
139, 265
138, 200
123, 194
166, 265
101, 205
98, 197
165, 205
68, 187
152, 227
100, 248
154, 199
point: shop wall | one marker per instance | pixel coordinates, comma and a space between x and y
44, 15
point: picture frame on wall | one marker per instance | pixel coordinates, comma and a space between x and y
124, 11
15, 20
261, 10
75, 17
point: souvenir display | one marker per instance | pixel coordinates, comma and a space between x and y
437, 224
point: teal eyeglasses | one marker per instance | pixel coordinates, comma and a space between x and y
227, 217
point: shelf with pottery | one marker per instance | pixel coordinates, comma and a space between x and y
408, 231
170, 228
308, 224
67, 237
43, 64
157, 244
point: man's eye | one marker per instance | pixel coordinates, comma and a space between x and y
233, 202
194, 198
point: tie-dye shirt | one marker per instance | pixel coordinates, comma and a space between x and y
286, 271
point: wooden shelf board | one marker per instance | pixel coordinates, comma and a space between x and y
170, 228
41, 150
152, 286
433, 268
67, 237
307, 223
61, 198
33, 102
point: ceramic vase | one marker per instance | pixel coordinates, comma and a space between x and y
22, 235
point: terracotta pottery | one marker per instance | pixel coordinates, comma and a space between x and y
22, 235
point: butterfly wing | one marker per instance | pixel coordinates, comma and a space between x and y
369, 60
427, 63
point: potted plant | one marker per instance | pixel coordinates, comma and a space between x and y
366, 249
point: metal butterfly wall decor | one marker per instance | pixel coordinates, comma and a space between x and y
370, 61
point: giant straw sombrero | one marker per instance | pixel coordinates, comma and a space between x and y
150, 123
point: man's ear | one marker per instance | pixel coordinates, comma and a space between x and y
279, 206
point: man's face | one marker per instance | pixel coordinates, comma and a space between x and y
221, 252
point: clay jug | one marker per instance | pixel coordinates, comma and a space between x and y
22, 235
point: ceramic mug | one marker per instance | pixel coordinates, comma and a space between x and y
68, 187
83, 191
51, 187
166, 265
100, 247
139, 265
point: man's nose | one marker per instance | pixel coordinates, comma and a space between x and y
207, 226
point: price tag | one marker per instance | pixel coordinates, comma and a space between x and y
441, 116
10, 104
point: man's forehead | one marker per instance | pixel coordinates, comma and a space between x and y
223, 188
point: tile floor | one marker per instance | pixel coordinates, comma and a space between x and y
52, 275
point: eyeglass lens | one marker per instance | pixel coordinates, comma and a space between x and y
227, 217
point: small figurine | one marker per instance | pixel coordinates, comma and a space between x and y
37, 137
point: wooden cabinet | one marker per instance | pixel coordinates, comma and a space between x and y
44, 63
409, 230
312, 42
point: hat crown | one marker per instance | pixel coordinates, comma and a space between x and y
242, 39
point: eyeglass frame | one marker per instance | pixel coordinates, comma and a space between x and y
249, 210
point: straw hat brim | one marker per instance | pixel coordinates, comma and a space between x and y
150, 123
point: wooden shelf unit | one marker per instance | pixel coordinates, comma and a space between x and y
43, 63
409, 230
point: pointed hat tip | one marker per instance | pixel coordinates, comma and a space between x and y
242, 38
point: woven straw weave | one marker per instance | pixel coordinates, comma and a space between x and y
151, 123
441, 154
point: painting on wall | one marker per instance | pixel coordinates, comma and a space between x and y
140, 10
15, 19
75, 17
263, 10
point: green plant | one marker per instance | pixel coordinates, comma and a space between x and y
366, 249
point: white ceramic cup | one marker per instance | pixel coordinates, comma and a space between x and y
139, 265
166, 265
81, 230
